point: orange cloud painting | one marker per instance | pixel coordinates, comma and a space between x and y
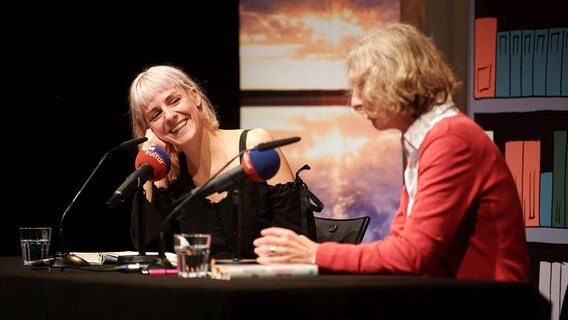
355, 169
300, 45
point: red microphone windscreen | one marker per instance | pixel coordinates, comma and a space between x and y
157, 158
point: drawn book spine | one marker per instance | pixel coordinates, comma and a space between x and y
503, 65
484, 61
560, 180
523, 158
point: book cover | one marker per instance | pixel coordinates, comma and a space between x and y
502, 65
514, 159
539, 62
99, 258
564, 74
527, 63
235, 271
560, 179
484, 61
544, 274
555, 292
516, 50
523, 159
554, 61
546, 199
531, 183
563, 283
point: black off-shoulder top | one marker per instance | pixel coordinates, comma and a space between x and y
259, 204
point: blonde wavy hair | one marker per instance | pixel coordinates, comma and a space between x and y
153, 81
398, 70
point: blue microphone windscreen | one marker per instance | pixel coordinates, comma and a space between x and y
266, 162
165, 157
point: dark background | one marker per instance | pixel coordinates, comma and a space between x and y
65, 106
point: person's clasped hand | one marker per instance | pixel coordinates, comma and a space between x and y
279, 245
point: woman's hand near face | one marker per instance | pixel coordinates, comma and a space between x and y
153, 140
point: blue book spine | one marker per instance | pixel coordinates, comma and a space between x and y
546, 199
527, 63
502, 65
516, 50
539, 62
554, 61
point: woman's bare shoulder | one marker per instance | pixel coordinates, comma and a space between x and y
258, 135
254, 136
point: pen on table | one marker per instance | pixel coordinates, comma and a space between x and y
159, 272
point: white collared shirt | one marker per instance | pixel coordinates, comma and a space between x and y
412, 140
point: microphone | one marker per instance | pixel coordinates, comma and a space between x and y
152, 163
257, 165
275, 143
131, 143
60, 259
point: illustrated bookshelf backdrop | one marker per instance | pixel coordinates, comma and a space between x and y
518, 93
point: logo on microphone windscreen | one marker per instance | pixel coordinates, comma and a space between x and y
157, 158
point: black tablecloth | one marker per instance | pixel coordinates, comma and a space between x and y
79, 294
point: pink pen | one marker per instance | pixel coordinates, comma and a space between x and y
160, 272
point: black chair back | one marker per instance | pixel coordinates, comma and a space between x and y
351, 230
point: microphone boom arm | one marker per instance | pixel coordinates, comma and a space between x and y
60, 255
61, 235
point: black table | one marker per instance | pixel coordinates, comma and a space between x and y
79, 294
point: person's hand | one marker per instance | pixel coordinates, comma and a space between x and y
279, 245
153, 140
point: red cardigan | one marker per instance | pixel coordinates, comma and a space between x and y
466, 221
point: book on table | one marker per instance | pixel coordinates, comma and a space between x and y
235, 271
99, 258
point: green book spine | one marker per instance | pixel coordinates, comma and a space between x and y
560, 180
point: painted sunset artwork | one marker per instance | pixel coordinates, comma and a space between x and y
300, 46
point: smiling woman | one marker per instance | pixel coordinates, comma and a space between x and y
172, 111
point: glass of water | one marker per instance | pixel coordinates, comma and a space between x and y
35, 243
193, 254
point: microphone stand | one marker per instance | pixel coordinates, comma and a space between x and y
142, 257
61, 260
237, 230
61, 257
237, 238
